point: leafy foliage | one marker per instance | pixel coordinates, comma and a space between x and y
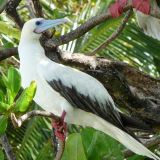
10, 87
2, 4
1, 155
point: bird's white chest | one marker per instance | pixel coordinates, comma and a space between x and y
46, 97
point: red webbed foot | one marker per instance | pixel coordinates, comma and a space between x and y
60, 127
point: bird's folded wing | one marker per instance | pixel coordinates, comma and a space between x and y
83, 91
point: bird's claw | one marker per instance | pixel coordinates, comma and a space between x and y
60, 127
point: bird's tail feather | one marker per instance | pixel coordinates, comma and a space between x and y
128, 141
131, 122
94, 121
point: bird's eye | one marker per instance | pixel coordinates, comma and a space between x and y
38, 23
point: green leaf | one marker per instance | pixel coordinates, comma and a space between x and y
74, 148
97, 145
2, 85
2, 96
45, 152
25, 99
5, 80
3, 124
4, 107
1, 155
14, 80
2, 5
9, 30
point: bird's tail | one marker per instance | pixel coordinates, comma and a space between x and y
91, 120
131, 122
127, 140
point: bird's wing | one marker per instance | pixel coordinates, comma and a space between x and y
82, 91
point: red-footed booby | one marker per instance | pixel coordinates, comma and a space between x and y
61, 89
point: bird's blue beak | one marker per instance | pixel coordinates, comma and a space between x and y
43, 25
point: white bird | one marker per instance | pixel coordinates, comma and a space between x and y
61, 88
149, 24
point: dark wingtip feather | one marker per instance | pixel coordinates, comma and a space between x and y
135, 123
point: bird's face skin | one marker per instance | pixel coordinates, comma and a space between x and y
35, 27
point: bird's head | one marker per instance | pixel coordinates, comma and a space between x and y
35, 27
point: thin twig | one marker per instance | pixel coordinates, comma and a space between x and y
149, 143
18, 122
114, 35
7, 147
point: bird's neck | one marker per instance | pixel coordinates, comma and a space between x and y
30, 52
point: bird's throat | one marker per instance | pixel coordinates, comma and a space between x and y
30, 51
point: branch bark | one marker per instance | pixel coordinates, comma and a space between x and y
12, 12
6, 53
7, 147
18, 122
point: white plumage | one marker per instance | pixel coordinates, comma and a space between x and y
34, 65
149, 24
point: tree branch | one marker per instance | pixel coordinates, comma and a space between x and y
18, 122
87, 26
114, 35
7, 147
12, 12
81, 30
6, 53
